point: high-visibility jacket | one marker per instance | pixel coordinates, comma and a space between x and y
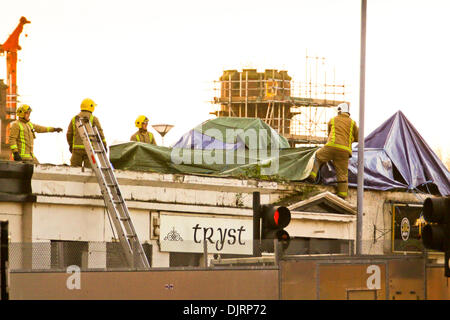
143, 136
342, 131
22, 135
73, 137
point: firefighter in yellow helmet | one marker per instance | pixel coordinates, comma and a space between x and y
76, 146
342, 132
23, 133
142, 135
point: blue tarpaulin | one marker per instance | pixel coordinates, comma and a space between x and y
230, 133
197, 140
396, 157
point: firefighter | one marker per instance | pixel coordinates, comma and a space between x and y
76, 146
342, 132
142, 135
23, 133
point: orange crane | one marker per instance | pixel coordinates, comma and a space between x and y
11, 46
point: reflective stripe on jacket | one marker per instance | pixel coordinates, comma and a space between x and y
342, 132
73, 137
79, 146
145, 136
22, 135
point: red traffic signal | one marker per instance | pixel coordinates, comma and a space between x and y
274, 220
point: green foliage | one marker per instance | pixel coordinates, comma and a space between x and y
301, 192
254, 172
239, 200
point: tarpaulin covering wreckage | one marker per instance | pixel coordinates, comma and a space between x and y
243, 147
395, 155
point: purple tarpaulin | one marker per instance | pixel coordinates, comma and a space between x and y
395, 156
197, 140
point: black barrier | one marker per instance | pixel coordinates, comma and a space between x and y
4, 292
15, 177
436, 234
15, 181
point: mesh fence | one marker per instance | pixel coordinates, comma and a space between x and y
58, 255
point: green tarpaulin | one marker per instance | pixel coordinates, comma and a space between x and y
286, 164
238, 147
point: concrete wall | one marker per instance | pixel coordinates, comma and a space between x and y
324, 226
377, 212
68, 181
365, 277
154, 285
56, 221
12, 212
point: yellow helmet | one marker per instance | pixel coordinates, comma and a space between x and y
88, 105
24, 108
140, 120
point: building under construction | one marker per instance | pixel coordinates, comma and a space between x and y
298, 111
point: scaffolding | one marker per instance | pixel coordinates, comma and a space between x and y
297, 110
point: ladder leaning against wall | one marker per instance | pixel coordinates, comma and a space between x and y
114, 202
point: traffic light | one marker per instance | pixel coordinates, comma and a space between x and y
274, 220
436, 234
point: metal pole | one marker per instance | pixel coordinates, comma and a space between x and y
276, 251
205, 252
362, 83
256, 223
229, 95
240, 84
246, 93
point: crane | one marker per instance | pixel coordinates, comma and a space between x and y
11, 46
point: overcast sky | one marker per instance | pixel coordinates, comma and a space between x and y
160, 58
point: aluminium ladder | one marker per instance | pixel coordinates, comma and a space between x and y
114, 202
